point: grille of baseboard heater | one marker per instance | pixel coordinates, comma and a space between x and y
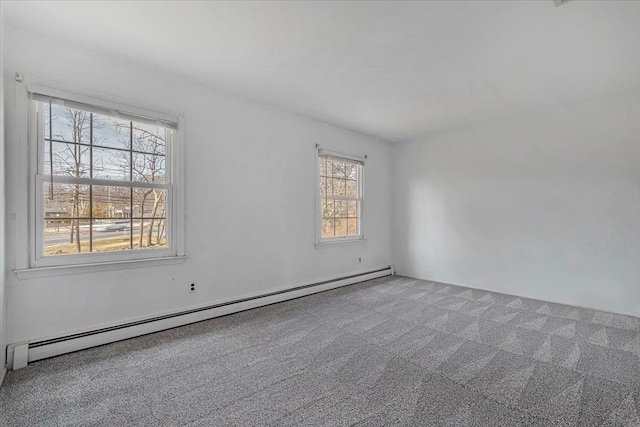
19, 354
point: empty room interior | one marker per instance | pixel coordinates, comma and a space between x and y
320, 213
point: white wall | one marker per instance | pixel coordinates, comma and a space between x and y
3, 301
545, 204
250, 200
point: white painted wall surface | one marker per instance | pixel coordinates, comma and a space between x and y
3, 302
250, 200
545, 204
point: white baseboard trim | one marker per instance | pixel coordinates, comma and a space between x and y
45, 348
480, 288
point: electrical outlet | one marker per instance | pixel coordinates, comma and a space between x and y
359, 260
192, 288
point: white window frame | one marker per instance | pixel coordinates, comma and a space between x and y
35, 260
330, 241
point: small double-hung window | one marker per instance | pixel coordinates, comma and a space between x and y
340, 194
103, 182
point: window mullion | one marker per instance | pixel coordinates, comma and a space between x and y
131, 189
50, 150
90, 186
108, 182
344, 198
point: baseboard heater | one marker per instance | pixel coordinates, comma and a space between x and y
20, 354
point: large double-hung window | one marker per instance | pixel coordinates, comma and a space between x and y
104, 182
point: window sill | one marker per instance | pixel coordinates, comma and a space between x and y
341, 242
67, 270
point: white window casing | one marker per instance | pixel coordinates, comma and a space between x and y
30, 258
324, 197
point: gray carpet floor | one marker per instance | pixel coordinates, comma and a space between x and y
392, 351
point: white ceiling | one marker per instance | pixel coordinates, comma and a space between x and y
393, 70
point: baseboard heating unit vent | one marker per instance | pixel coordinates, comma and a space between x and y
20, 354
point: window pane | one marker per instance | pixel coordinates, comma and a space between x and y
352, 171
149, 139
341, 227
327, 228
339, 169
149, 203
329, 187
340, 208
339, 187
328, 167
326, 208
322, 186
111, 235
352, 208
352, 188
322, 166
66, 200
46, 111
352, 226
157, 208
111, 164
61, 237
110, 132
148, 168
53, 225
111, 202
69, 124
151, 234
68, 159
